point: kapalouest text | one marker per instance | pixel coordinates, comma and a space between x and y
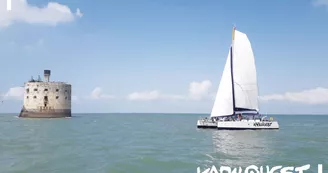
261, 169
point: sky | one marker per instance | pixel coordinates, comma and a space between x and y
164, 56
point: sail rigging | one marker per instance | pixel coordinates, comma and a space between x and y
238, 89
231, 69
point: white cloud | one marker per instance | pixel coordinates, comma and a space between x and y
15, 93
97, 93
272, 97
21, 11
152, 95
40, 42
78, 13
318, 3
35, 45
197, 91
146, 95
200, 90
75, 98
317, 95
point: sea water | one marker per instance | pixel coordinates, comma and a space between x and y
155, 143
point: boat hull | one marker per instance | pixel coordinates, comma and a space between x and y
247, 125
206, 124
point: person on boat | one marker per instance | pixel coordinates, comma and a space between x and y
239, 117
213, 119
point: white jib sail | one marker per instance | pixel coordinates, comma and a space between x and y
223, 104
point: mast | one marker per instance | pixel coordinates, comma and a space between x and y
231, 68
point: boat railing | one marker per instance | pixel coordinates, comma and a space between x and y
206, 120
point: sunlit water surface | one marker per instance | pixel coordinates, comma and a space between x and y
161, 143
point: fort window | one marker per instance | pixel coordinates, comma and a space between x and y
45, 101
27, 90
34, 97
57, 90
35, 89
27, 97
57, 97
65, 98
46, 89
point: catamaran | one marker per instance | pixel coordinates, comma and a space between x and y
236, 104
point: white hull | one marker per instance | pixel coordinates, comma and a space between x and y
206, 123
247, 125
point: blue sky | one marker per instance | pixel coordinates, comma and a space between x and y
164, 56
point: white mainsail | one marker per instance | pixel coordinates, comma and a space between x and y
244, 73
245, 96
